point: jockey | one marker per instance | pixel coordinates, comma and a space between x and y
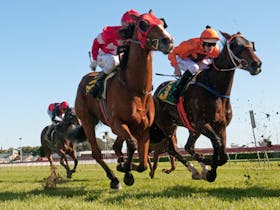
194, 55
104, 48
56, 112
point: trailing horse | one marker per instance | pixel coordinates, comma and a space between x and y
204, 106
127, 106
61, 141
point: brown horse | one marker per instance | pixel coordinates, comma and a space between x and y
128, 107
206, 104
60, 142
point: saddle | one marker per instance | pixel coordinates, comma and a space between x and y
102, 90
166, 92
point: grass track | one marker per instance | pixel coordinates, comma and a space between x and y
239, 185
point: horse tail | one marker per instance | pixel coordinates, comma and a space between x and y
77, 135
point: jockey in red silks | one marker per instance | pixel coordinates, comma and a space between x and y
104, 48
56, 112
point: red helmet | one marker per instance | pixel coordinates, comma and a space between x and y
209, 35
127, 19
64, 105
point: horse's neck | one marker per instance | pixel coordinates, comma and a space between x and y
220, 79
139, 69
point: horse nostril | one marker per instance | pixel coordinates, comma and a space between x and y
165, 41
255, 65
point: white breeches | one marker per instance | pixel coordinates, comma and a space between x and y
107, 62
193, 67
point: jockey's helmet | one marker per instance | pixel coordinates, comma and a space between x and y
64, 105
127, 19
209, 35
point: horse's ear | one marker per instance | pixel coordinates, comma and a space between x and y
151, 12
163, 22
226, 35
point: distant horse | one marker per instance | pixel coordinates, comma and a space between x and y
60, 142
128, 107
159, 145
204, 107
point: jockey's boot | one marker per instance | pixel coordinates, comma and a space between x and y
178, 89
97, 86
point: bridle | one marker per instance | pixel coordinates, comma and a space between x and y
236, 61
149, 21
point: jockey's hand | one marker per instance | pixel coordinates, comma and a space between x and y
93, 65
177, 71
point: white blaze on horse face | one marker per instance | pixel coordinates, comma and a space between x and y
166, 33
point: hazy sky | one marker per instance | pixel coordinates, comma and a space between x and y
44, 54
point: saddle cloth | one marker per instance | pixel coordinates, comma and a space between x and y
102, 91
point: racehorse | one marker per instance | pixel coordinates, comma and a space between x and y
159, 145
60, 142
128, 107
204, 107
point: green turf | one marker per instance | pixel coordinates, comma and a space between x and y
240, 185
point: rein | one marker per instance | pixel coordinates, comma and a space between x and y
215, 93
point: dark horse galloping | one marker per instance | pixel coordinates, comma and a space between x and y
60, 142
128, 107
205, 105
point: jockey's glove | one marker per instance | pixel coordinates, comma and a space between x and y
93, 65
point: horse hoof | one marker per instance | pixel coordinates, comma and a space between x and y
211, 176
69, 175
115, 185
121, 159
151, 175
128, 179
120, 168
165, 170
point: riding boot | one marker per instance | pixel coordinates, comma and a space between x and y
96, 88
178, 89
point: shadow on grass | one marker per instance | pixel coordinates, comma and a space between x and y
230, 194
58, 193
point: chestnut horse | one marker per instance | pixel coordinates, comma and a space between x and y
204, 107
60, 142
128, 107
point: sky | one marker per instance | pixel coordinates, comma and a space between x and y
44, 54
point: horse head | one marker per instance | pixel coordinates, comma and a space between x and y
70, 118
241, 53
150, 32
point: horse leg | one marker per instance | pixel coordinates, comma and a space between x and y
155, 165
73, 155
218, 146
173, 165
123, 132
50, 158
96, 154
174, 153
117, 147
64, 163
